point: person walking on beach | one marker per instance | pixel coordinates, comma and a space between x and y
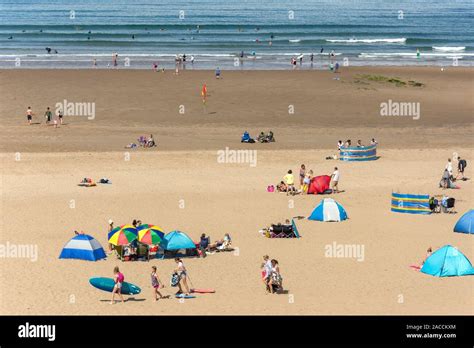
60, 117
218, 73
118, 279
48, 115
266, 272
335, 180
29, 115
94, 63
183, 275
115, 59
462, 164
276, 279
156, 283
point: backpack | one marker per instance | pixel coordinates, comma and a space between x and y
175, 278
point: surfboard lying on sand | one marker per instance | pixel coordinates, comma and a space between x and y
203, 291
184, 296
107, 284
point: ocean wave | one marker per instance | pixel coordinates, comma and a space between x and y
400, 40
450, 55
449, 49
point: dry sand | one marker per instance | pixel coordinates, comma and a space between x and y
37, 190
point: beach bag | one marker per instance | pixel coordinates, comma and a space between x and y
175, 278
270, 188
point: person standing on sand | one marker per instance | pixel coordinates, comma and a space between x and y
48, 115
60, 117
266, 272
118, 279
183, 275
462, 164
449, 168
29, 115
289, 180
276, 278
335, 180
156, 283
302, 174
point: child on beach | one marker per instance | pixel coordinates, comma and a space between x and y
29, 115
118, 279
307, 181
156, 283
48, 115
302, 174
289, 180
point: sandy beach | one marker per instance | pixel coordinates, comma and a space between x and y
42, 165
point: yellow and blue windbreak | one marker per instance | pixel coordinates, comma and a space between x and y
412, 204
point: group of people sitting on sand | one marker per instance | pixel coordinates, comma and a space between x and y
271, 277
288, 183
262, 138
205, 246
143, 141
279, 230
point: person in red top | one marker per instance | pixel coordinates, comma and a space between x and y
118, 279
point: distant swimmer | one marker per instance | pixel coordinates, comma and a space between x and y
55, 51
271, 36
88, 38
417, 53
10, 38
94, 63
48, 49
89, 32
322, 50
270, 43
41, 30
257, 29
133, 37
241, 54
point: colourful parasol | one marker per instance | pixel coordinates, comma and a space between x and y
122, 235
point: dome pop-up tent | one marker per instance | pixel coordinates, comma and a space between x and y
328, 210
177, 240
447, 262
466, 223
83, 247
319, 184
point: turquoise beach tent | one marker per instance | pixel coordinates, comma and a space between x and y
447, 262
466, 223
177, 240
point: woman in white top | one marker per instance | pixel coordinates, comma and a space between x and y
181, 270
275, 279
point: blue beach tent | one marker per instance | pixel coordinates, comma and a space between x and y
447, 262
83, 247
466, 223
177, 240
328, 210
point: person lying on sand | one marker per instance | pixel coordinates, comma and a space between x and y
222, 244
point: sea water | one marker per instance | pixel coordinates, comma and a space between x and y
217, 32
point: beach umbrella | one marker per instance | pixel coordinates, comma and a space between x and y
122, 235
158, 230
152, 235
